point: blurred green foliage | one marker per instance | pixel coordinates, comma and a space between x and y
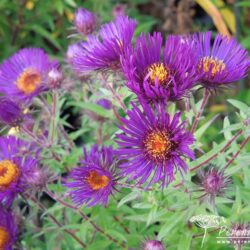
47, 23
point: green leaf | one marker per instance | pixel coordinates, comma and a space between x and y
240, 105
130, 197
199, 132
94, 108
44, 33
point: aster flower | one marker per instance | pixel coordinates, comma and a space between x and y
152, 245
24, 74
153, 145
158, 75
85, 21
16, 167
94, 181
104, 50
10, 112
8, 230
223, 62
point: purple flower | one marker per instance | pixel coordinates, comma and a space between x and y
8, 230
223, 62
104, 51
73, 50
85, 21
94, 181
158, 75
16, 167
152, 245
24, 74
10, 112
105, 103
55, 78
153, 145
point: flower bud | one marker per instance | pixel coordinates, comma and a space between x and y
153, 245
214, 182
119, 10
85, 21
55, 78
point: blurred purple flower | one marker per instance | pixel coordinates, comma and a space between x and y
104, 50
94, 181
85, 21
10, 112
8, 230
16, 167
152, 245
25, 73
105, 103
153, 145
119, 10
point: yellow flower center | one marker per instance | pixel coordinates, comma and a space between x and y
158, 145
9, 173
213, 65
29, 80
159, 71
4, 238
97, 181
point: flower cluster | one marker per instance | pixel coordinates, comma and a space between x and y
153, 145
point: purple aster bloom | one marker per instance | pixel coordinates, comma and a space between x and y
159, 75
8, 230
10, 112
16, 167
104, 51
24, 74
223, 62
153, 145
94, 181
152, 245
85, 21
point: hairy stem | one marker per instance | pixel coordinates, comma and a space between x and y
242, 145
221, 151
44, 209
198, 115
85, 217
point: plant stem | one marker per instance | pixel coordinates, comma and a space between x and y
203, 104
242, 145
44, 209
85, 217
221, 151
53, 114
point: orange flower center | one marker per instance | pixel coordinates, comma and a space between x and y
213, 65
97, 181
4, 238
159, 71
28, 81
158, 145
9, 173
